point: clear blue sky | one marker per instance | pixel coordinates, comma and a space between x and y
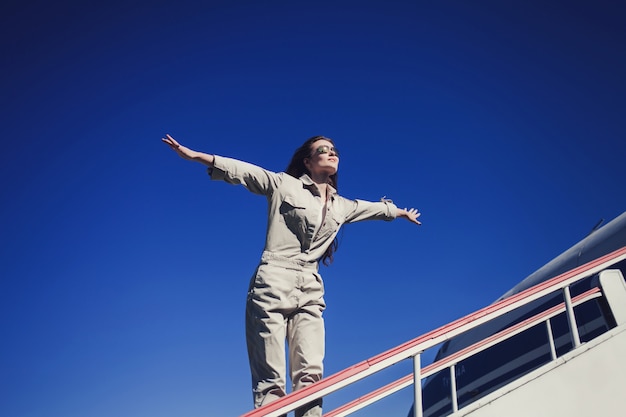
123, 269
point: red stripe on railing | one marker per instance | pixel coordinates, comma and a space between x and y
371, 395
318, 386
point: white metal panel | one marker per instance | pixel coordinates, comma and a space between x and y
586, 382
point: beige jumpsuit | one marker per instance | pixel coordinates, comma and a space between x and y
286, 294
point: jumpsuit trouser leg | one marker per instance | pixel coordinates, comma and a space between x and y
285, 302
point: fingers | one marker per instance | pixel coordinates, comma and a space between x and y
171, 141
412, 214
168, 139
413, 211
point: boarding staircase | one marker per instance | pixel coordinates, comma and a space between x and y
585, 379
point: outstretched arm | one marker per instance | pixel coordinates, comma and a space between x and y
187, 153
254, 178
411, 215
358, 210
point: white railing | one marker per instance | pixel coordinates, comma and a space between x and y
413, 348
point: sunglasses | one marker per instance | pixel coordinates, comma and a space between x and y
326, 149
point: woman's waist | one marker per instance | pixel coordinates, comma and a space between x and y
301, 260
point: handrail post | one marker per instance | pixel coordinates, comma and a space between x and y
551, 340
455, 401
417, 386
571, 319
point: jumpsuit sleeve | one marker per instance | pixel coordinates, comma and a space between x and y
359, 210
256, 179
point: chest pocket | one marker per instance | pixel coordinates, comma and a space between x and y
295, 216
330, 226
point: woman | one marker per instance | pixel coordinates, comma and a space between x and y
286, 293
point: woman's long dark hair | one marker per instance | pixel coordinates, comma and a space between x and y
296, 168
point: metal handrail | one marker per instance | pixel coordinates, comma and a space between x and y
461, 355
414, 347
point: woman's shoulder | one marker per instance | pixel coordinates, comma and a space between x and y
343, 202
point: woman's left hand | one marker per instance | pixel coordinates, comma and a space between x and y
411, 215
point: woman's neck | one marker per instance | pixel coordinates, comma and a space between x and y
321, 181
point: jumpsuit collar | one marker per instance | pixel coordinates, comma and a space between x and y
308, 183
